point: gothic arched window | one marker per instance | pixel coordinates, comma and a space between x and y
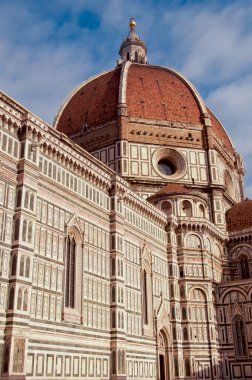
19, 299
25, 302
30, 232
185, 334
113, 267
24, 230
21, 266
11, 298
26, 202
239, 336
113, 362
70, 273
244, 267
31, 202
187, 367
145, 298
27, 267
14, 265
16, 234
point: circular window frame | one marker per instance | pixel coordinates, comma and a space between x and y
176, 159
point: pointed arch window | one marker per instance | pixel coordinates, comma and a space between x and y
70, 273
244, 267
239, 336
145, 298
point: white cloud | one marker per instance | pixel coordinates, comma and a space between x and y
45, 52
213, 43
232, 104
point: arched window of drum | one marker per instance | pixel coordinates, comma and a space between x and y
26, 200
244, 267
185, 333
122, 296
113, 319
201, 211
119, 361
19, 198
21, 266
19, 299
27, 267
70, 273
24, 230
239, 336
122, 321
128, 56
184, 313
30, 232
113, 362
186, 208
136, 56
11, 298
166, 207
31, 202
113, 270
16, 233
14, 265
25, 303
187, 367
145, 297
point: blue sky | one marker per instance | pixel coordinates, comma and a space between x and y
48, 47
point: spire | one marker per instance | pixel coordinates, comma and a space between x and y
133, 48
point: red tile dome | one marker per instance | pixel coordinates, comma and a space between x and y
239, 217
145, 91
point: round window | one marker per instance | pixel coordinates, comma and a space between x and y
166, 167
169, 162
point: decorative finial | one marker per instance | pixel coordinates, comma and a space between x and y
132, 23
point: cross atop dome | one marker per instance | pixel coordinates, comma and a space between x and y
133, 48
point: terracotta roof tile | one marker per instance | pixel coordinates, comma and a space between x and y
93, 104
171, 188
156, 93
239, 217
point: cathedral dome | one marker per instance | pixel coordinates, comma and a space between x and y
144, 91
239, 217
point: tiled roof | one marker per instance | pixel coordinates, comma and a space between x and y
93, 104
171, 188
155, 93
239, 217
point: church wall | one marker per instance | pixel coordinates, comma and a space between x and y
159, 294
